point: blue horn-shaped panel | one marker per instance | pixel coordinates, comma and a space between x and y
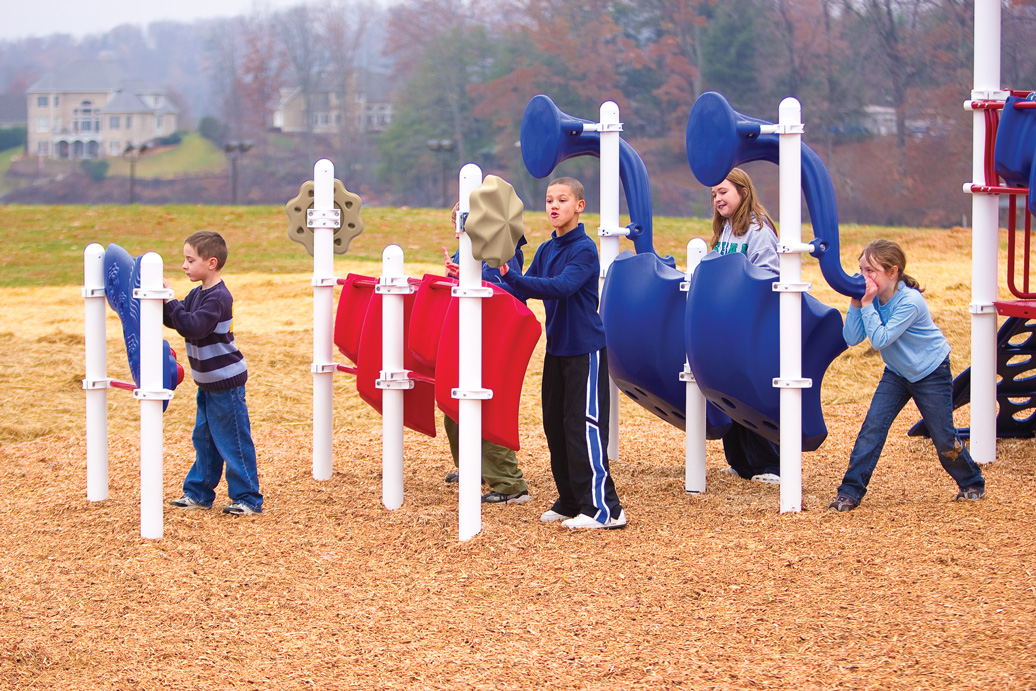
719, 139
1015, 146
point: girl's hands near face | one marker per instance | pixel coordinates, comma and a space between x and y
452, 270
869, 291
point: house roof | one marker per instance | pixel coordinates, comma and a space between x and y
126, 102
82, 76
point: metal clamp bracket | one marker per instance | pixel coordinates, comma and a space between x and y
93, 292
983, 308
323, 281
778, 128
480, 292
397, 285
613, 232
792, 383
472, 394
602, 127
685, 286
324, 218
324, 368
779, 287
157, 294
990, 95
801, 248
95, 384
157, 395
688, 376
397, 379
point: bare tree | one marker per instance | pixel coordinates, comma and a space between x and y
306, 59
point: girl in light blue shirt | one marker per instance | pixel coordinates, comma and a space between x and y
893, 316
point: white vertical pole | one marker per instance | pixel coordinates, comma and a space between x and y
790, 119
95, 382
610, 127
985, 238
392, 364
323, 306
151, 402
470, 371
694, 430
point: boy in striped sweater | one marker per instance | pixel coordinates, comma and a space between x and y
222, 432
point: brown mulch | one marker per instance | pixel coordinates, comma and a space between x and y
328, 589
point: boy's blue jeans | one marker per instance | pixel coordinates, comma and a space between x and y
223, 436
934, 398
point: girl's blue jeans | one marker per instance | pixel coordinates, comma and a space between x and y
934, 398
223, 437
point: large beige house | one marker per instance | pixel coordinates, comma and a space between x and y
366, 108
91, 109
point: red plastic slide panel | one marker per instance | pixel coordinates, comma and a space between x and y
509, 335
431, 303
352, 308
418, 402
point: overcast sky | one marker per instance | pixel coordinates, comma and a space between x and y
24, 18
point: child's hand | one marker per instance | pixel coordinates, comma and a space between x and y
452, 270
503, 270
869, 291
165, 284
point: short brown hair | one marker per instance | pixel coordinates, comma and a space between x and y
208, 244
571, 183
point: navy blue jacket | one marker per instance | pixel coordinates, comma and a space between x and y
564, 274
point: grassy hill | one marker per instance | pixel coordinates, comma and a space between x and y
193, 156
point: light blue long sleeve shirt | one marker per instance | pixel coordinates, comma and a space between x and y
901, 330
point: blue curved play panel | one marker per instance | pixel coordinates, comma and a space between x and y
732, 335
646, 350
121, 276
1015, 146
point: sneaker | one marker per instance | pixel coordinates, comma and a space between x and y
186, 502
767, 478
239, 509
552, 515
843, 503
730, 471
972, 493
453, 477
495, 497
584, 521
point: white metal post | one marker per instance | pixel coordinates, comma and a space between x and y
96, 380
393, 378
469, 391
985, 238
610, 232
151, 393
321, 220
791, 287
694, 430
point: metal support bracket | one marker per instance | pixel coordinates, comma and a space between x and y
95, 384
613, 232
323, 281
325, 218
779, 287
779, 383
687, 376
472, 394
93, 292
328, 368
685, 286
398, 379
778, 128
158, 294
480, 292
801, 248
983, 308
602, 127
397, 285
157, 395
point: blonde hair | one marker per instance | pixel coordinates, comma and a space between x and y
889, 255
750, 209
571, 183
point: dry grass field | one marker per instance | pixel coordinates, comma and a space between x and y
329, 590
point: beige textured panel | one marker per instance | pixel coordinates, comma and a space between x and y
494, 221
348, 205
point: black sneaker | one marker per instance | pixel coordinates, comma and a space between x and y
239, 509
843, 503
495, 497
972, 493
452, 477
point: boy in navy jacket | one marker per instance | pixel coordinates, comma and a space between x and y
564, 274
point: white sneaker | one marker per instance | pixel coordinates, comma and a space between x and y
552, 515
767, 479
730, 471
584, 521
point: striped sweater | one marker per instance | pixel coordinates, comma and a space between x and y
205, 319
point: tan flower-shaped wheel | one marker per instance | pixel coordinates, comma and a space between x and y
495, 221
348, 205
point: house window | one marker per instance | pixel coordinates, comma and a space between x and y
42, 124
113, 122
129, 122
42, 148
41, 101
158, 123
55, 101
114, 149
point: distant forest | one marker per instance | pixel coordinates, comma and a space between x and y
464, 70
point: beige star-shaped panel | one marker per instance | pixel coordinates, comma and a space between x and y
348, 205
494, 221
